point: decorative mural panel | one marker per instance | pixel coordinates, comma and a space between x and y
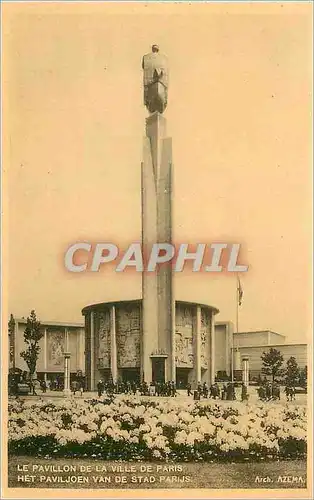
184, 351
205, 333
128, 333
55, 348
104, 338
184, 337
184, 317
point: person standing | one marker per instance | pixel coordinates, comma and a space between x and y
293, 391
261, 392
230, 391
100, 388
32, 387
189, 389
199, 389
216, 391
43, 386
145, 388
74, 387
268, 391
205, 390
224, 392
173, 389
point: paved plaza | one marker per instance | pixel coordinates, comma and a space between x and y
300, 399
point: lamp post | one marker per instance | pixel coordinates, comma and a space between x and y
67, 390
245, 371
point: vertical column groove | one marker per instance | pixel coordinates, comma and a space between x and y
45, 355
198, 342
113, 338
92, 352
212, 348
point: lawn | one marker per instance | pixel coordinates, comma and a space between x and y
96, 474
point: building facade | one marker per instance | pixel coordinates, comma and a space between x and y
109, 345
254, 353
57, 339
259, 337
114, 344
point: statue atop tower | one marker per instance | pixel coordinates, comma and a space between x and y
155, 79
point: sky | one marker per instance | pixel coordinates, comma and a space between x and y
239, 114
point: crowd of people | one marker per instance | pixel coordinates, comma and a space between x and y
169, 389
267, 390
270, 391
133, 387
226, 392
58, 385
290, 392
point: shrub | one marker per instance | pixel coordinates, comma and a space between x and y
132, 428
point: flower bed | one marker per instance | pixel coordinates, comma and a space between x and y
132, 428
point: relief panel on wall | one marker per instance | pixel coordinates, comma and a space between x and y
55, 349
205, 333
104, 339
128, 332
184, 317
184, 337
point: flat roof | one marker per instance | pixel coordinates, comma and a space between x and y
268, 346
259, 331
53, 323
139, 302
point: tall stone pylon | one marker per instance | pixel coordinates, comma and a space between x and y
158, 313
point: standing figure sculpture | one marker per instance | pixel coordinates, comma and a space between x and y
155, 73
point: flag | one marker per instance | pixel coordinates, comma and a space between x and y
240, 292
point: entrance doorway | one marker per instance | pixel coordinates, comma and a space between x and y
158, 370
182, 377
130, 374
105, 374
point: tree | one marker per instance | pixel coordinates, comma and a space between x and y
32, 336
272, 363
303, 377
292, 372
11, 328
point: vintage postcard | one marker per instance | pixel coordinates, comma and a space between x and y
156, 250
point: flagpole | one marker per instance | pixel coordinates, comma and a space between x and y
232, 343
238, 299
237, 326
